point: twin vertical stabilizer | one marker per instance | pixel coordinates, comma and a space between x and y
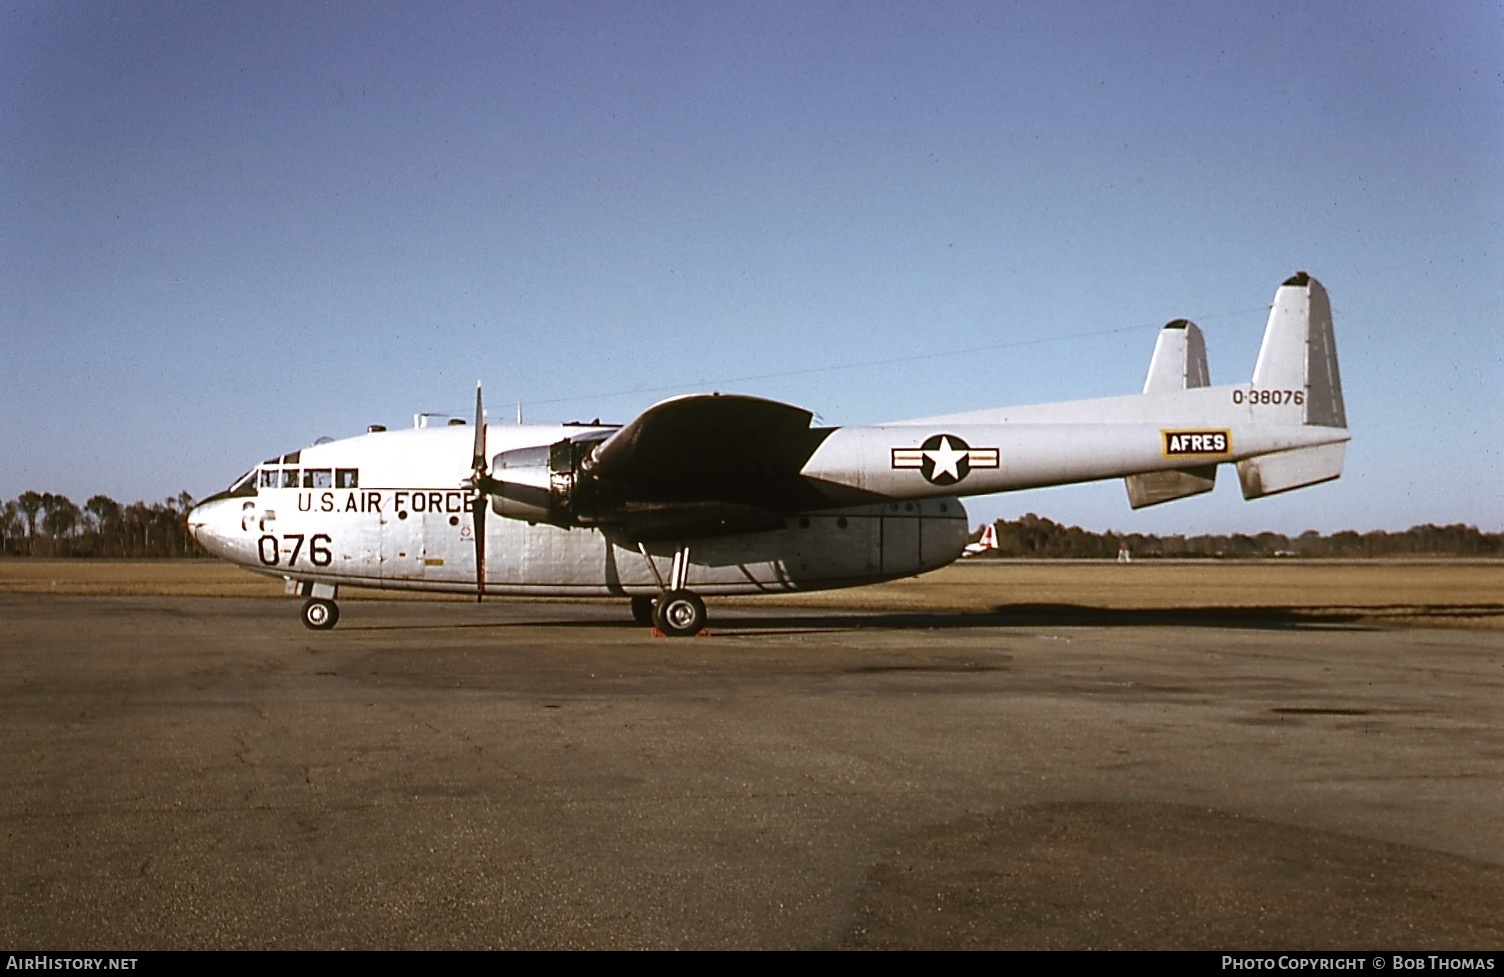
1296, 384
1300, 354
1179, 363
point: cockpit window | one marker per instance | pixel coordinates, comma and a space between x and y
243, 486
309, 478
279, 478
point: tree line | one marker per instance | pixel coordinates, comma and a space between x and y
45, 524
1035, 537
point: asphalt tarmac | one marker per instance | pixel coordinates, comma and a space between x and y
206, 773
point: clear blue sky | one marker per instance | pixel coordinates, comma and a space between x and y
228, 229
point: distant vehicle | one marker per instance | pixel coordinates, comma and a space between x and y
714, 494
988, 541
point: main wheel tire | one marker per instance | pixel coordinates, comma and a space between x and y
642, 610
320, 615
679, 613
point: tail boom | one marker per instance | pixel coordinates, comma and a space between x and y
1285, 430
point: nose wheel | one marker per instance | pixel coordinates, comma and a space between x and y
320, 614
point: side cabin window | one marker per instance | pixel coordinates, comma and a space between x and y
347, 478
289, 478
318, 478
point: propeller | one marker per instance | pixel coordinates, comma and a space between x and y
483, 485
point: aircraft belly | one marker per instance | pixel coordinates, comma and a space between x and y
814, 551
899, 540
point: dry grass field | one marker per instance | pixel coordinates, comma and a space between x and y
1445, 593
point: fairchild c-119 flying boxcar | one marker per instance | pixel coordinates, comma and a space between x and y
715, 494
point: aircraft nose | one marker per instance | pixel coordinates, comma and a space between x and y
195, 520
215, 525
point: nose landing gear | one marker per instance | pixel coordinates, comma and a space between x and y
320, 614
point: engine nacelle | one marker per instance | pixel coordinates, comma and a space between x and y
554, 484
537, 484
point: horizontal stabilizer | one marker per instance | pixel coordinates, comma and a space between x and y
1286, 470
1152, 488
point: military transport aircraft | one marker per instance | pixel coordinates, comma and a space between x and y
724, 494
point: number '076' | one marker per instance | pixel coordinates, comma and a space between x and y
270, 549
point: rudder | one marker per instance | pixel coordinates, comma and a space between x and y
1299, 353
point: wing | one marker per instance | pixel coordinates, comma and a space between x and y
711, 448
708, 464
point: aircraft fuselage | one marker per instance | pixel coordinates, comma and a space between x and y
391, 510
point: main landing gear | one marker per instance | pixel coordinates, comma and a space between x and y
678, 612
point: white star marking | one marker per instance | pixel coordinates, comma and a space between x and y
947, 459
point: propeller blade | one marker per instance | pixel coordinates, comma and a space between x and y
481, 505
478, 459
480, 481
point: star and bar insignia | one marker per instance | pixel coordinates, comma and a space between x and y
945, 459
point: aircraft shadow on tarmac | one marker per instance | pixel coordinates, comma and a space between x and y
743, 621
1055, 615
